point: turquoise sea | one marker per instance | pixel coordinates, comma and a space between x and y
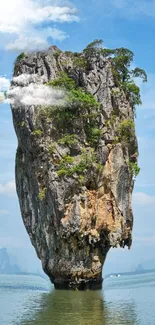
31, 300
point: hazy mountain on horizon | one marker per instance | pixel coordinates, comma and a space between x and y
6, 267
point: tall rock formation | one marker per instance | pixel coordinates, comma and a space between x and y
75, 164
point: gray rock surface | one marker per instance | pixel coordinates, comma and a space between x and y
72, 226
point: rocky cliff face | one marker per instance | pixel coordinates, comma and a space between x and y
73, 167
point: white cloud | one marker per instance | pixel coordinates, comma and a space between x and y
144, 239
132, 8
2, 98
29, 90
143, 199
37, 40
4, 86
4, 212
8, 188
148, 94
23, 21
4, 83
16, 14
12, 242
26, 43
35, 94
25, 79
145, 184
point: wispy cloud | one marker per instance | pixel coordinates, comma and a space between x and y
145, 184
12, 242
143, 199
134, 8
4, 83
35, 94
29, 90
29, 23
145, 239
8, 188
148, 94
4, 86
4, 212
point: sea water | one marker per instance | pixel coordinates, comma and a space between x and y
31, 300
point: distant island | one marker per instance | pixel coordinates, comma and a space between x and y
139, 270
6, 267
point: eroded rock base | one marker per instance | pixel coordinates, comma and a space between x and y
82, 285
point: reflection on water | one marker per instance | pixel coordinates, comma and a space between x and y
81, 308
26, 300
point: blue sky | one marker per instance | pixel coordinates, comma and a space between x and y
26, 25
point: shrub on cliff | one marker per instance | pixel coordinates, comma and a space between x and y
94, 47
63, 81
79, 103
121, 59
125, 130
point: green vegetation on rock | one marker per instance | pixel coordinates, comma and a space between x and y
63, 81
81, 98
76, 96
20, 57
69, 166
68, 140
135, 169
93, 133
94, 47
79, 104
52, 148
125, 131
112, 120
124, 76
57, 54
121, 60
80, 62
42, 193
22, 124
37, 132
69, 53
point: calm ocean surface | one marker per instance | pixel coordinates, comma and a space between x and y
30, 300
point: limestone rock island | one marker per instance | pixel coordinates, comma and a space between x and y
77, 158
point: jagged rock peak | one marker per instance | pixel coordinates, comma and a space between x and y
75, 162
